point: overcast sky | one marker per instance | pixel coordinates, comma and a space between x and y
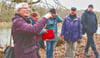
80, 4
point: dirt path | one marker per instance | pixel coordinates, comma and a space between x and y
59, 51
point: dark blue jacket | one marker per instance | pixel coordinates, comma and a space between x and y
71, 30
89, 22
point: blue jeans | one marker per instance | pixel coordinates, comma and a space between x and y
50, 48
90, 42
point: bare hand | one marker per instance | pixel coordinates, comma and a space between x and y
62, 37
48, 15
79, 39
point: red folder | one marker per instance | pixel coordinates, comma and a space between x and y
49, 35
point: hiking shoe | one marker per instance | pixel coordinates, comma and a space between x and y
86, 54
98, 57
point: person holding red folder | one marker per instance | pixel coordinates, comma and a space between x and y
48, 35
52, 26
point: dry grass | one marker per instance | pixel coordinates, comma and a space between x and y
5, 24
60, 50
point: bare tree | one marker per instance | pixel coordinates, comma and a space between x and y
34, 2
46, 3
59, 4
29, 1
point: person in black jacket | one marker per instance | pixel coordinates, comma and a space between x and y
89, 23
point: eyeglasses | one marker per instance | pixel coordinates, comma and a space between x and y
25, 8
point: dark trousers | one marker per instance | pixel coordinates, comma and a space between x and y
38, 53
90, 42
40, 44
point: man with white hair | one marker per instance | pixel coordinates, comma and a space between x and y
25, 34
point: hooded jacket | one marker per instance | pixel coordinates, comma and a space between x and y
89, 22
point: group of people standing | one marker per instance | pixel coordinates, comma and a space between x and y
27, 31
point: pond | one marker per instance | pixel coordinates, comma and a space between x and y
5, 34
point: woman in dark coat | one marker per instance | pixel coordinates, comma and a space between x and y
34, 18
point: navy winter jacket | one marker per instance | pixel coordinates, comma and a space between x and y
71, 30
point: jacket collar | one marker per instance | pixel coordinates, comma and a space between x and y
18, 16
86, 11
77, 18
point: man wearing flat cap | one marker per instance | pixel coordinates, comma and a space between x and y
89, 23
71, 32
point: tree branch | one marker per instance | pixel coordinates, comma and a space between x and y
35, 2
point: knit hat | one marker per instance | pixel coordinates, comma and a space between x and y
34, 14
90, 5
52, 10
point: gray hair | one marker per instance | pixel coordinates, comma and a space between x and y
20, 5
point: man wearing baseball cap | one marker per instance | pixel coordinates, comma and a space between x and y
89, 23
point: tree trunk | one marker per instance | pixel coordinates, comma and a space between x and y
1, 6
